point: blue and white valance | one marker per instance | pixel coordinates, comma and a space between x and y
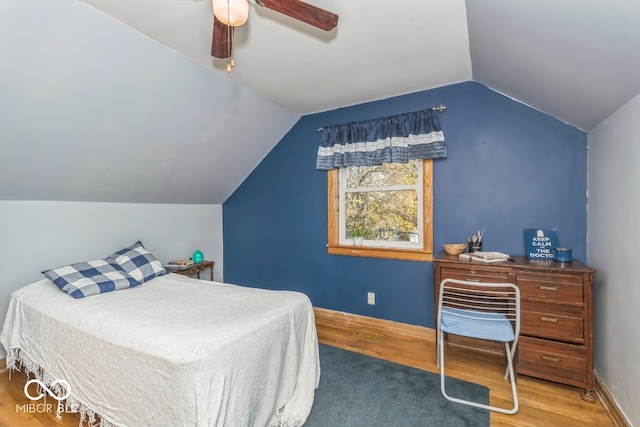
395, 139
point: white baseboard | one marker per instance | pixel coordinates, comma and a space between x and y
609, 404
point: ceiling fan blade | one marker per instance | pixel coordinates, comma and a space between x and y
221, 40
304, 12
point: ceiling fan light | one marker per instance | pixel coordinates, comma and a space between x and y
231, 12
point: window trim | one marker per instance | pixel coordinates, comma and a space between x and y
335, 248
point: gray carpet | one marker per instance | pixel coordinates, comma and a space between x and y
362, 391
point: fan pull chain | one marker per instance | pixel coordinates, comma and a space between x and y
231, 63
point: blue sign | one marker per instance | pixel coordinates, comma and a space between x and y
539, 244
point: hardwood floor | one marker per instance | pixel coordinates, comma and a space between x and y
542, 403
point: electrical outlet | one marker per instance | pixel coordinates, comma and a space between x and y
371, 298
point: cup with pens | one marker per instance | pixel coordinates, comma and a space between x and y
475, 242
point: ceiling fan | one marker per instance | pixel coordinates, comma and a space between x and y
233, 13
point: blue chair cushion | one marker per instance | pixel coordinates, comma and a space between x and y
476, 324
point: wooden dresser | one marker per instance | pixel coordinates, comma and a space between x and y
556, 312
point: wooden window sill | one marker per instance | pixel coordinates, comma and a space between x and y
388, 253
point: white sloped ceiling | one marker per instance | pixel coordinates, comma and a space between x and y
379, 49
91, 110
577, 60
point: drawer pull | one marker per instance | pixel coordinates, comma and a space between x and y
548, 319
550, 359
471, 279
548, 288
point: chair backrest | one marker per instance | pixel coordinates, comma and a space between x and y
480, 301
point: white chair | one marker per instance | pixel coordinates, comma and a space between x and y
489, 311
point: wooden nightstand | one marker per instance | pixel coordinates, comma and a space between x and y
196, 269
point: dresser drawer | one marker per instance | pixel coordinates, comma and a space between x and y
554, 321
564, 288
474, 275
559, 362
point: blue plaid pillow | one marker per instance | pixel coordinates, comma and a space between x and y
138, 262
90, 278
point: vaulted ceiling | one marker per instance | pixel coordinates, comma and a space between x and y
120, 100
578, 60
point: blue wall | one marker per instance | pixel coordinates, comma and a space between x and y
509, 167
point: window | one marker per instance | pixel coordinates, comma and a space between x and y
391, 204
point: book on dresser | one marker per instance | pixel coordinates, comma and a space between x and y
485, 256
178, 264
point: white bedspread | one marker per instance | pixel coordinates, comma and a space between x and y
172, 352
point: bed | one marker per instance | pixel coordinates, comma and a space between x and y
174, 351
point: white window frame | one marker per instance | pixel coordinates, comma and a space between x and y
418, 187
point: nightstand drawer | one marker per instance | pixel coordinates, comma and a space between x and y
474, 275
555, 321
565, 289
564, 363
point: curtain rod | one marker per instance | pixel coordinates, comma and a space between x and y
439, 108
